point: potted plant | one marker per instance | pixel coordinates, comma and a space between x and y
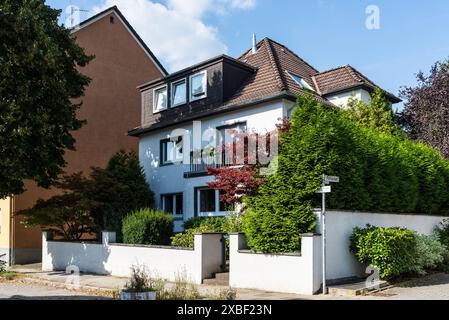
140, 286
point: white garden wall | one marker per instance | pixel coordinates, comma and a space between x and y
294, 273
115, 259
341, 263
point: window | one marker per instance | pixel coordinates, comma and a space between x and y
209, 204
228, 133
173, 203
160, 99
179, 93
198, 86
300, 81
171, 151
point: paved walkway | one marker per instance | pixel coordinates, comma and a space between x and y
430, 287
13, 290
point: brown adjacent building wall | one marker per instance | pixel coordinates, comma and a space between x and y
111, 106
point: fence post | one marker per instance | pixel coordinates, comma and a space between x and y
108, 237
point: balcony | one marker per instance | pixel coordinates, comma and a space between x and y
200, 162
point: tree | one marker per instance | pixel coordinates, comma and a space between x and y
67, 215
425, 116
118, 190
377, 115
95, 203
39, 81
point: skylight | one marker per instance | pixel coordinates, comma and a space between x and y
300, 81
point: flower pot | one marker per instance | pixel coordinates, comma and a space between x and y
149, 295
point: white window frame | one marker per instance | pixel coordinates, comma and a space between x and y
193, 98
164, 143
217, 212
302, 84
155, 98
174, 195
173, 105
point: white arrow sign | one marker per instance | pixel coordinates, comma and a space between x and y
326, 189
331, 179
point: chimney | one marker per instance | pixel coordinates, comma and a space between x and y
254, 44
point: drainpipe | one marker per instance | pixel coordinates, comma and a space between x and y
12, 232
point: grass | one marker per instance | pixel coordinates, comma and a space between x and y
9, 275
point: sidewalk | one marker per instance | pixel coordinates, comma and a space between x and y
111, 284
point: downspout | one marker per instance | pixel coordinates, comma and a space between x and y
12, 232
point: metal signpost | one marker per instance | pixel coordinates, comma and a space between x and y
325, 188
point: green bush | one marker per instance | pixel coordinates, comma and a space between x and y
430, 254
230, 223
378, 171
391, 250
148, 227
442, 232
185, 239
214, 223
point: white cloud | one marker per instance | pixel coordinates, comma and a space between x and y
243, 4
175, 32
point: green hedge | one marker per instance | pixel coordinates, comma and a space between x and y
379, 172
148, 227
397, 252
391, 250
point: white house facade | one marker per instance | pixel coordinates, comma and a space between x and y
201, 107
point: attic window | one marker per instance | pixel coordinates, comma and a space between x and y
198, 86
111, 19
300, 81
160, 101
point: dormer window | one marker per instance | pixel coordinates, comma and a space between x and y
160, 99
300, 81
198, 86
179, 93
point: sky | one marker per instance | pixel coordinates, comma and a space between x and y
401, 38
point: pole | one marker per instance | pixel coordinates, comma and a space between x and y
323, 236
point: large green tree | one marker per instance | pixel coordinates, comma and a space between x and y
95, 203
39, 82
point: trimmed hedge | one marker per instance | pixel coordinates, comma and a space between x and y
379, 172
148, 227
391, 250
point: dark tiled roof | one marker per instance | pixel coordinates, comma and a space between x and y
272, 61
344, 78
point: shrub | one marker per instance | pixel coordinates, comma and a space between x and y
442, 232
185, 239
214, 223
391, 250
148, 227
228, 224
430, 254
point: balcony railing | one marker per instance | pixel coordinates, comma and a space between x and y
199, 163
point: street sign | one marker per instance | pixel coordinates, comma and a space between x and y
326, 189
331, 179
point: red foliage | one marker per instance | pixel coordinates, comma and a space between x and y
235, 182
242, 177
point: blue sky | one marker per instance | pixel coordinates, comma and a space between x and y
326, 33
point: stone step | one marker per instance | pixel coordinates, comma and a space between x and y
216, 282
357, 288
222, 276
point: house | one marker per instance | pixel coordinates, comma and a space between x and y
200, 103
110, 106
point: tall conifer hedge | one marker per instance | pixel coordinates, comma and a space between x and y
379, 172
